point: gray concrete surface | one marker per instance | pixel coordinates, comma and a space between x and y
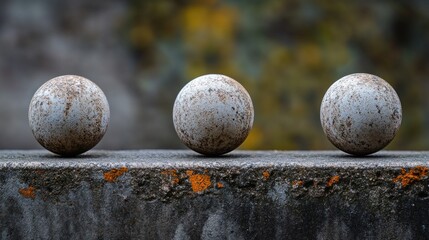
164, 194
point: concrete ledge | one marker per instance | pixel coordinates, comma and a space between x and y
244, 195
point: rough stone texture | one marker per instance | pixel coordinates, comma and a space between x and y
69, 115
360, 113
213, 114
243, 195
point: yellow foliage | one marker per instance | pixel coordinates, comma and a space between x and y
204, 24
254, 139
309, 54
195, 19
141, 35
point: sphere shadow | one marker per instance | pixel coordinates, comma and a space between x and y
373, 156
80, 157
229, 156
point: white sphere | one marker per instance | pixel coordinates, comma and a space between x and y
69, 115
360, 114
213, 114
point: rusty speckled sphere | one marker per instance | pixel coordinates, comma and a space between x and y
213, 114
68, 115
360, 114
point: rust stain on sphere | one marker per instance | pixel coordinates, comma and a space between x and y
68, 115
213, 114
360, 114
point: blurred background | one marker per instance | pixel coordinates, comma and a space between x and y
285, 53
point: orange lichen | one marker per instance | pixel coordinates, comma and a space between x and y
172, 174
219, 185
297, 183
266, 175
333, 180
113, 174
189, 172
199, 182
413, 175
29, 192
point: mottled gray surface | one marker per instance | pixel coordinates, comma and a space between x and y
163, 194
213, 114
360, 113
69, 115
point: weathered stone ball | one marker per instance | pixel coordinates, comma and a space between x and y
69, 115
360, 114
213, 114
